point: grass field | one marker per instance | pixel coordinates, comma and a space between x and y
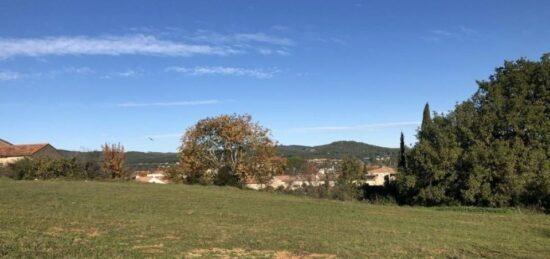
101, 219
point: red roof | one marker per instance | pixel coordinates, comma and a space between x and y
5, 142
21, 150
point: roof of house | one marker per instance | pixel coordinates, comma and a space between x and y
383, 170
21, 150
5, 142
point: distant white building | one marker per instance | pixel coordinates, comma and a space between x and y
378, 176
157, 176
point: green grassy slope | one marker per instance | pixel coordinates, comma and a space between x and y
100, 219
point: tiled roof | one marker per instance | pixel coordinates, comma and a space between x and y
21, 150
382, 170
5, 142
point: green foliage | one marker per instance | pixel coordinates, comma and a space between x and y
30, 169
134, 160
295, 165
46, 168
491, 150
347, 186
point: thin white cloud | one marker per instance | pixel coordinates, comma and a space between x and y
264, 38
228, 71
182, 103
9, 75
240, 38
76, 70
110, 45
439, 35
365, 127
125, 73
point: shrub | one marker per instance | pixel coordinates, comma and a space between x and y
43, 168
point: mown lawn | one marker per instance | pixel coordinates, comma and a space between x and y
101, 219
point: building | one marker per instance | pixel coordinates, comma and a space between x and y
157, 176
10, 153
378, 176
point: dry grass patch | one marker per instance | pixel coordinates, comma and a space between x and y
250, 253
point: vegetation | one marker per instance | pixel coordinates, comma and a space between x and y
113, 160
55, 219
491, 150
134, 160
67, 168
228, 149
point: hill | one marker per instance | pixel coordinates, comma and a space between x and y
72, 219
337, 150
341, 149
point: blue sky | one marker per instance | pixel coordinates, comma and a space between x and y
81, 73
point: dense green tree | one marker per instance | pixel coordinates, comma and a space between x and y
491, 150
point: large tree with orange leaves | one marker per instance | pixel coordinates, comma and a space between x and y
113, 160
228, 149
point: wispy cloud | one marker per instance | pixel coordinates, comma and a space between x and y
228, 71
9, 75
240, 38
125, 73
181, 103
264, 43
263, 38
365, 127
109, 45
439, 35
76, 70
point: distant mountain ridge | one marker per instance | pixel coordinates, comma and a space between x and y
335, 150
339, 150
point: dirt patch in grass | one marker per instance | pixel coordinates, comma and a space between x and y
249, 253
58, 231
149, 249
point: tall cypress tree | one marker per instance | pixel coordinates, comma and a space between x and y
426, 118
402, 164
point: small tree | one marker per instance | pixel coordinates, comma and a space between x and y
348, 182
113, 160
